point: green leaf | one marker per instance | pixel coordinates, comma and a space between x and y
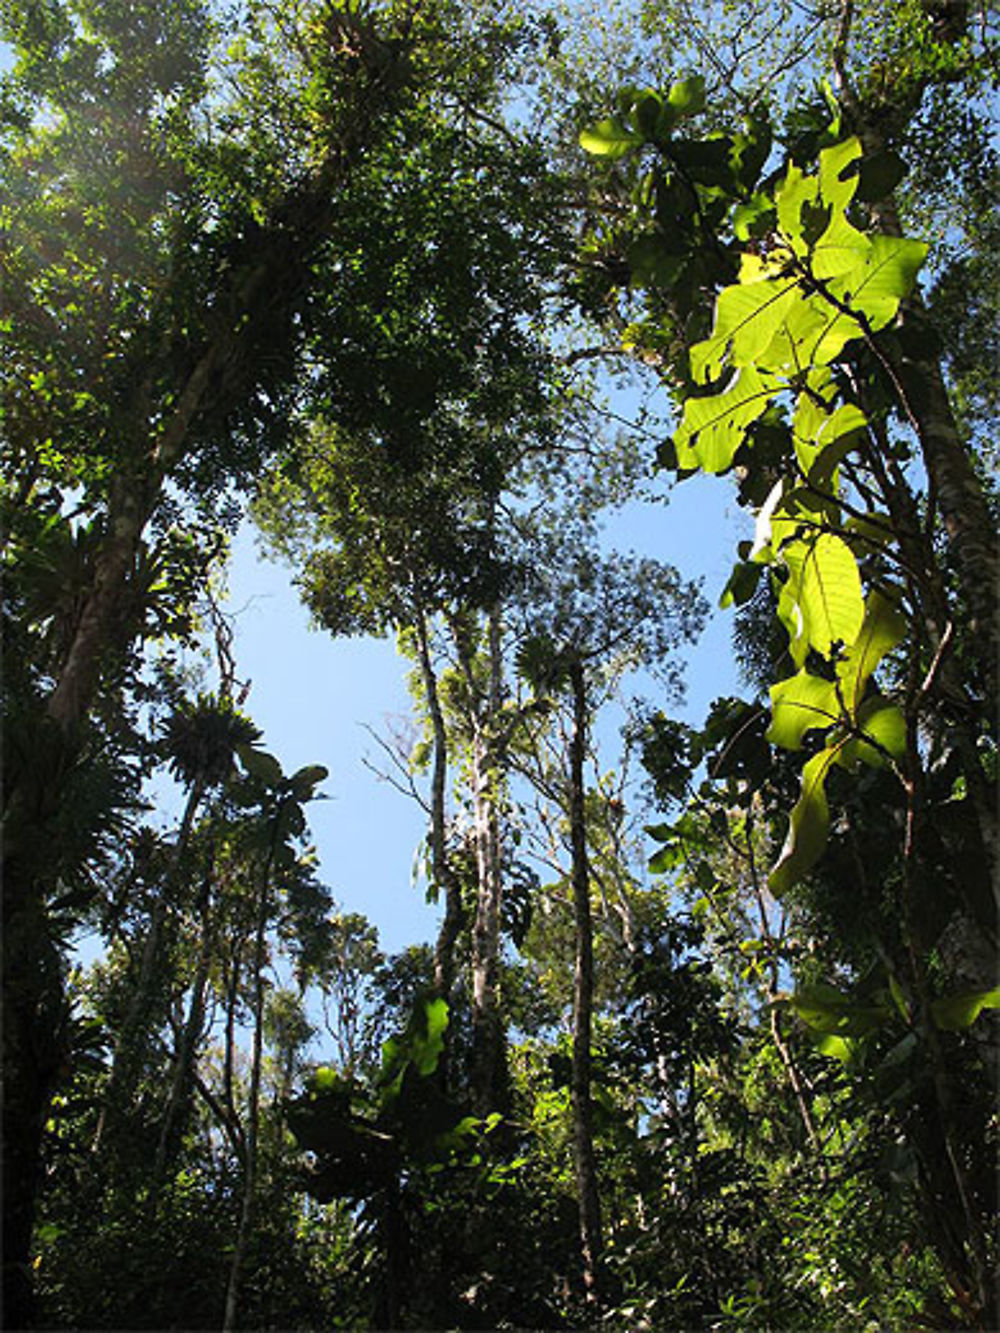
260, 765
882, 629
808, 825
884, 727
825, 586
742, 584
659, 832
878, 176
837, 183
956, 1012
753, 217
747, 317
794, 192
899, 998
890, 274
833, 1047
804, 323
840, 249
826, 1009
687, 96
800, 704
713, 428
305, 779
822, 437
427, 1046
666, 859
609, 138
648, 114
791, 617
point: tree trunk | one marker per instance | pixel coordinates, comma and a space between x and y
583, 998
34, 1028
441, 871
180, 1081
123, 1060
489, 1062
250, 1139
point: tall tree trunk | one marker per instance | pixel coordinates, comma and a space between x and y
489, 1057
444, 879
124, 1061
588, 1194
251, 1138
34, 1032
180, 1078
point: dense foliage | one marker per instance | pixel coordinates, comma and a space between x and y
713, 1048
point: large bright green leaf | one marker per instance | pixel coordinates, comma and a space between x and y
823, 438
800, 704
870, 291
609, 138
747, 317
840, 249
687, 96
793, 193
825, 586
805, 323
882, 629
955, 1012
837, 184
713, 428
808, 825
883, 725
876, 287
791, 617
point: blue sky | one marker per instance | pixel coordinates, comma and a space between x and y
314, 697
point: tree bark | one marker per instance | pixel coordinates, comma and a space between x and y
180, 1081
444, 879
250, 1139
588, 1193
34, 1027
123, 1060
489, 1063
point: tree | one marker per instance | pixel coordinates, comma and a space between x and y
172, 267
811, 358
326, 257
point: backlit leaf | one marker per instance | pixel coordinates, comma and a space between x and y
687, 96
882, 629
808, 825
609, 138
955, 1012
885, 728
747, 316
825, 585
800, 704
837, 184
713, 428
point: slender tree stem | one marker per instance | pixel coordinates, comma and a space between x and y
583, 998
